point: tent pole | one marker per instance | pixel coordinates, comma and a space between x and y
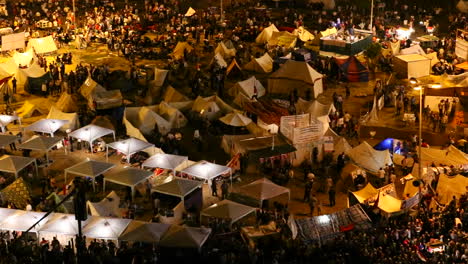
133, 193
230, 172
94, 185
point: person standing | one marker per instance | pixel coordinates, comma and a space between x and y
307, 190
331, 196
214, 188
13, 82
224, 190
312, 203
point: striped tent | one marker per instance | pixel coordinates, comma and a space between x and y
353, 70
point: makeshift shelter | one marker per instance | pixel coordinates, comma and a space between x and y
190, 12
340, 144
42, 45
160, 76
72, 121
98, 97
228, 210
224, 51
296, 75
171, 95
23, 59
283, 39
180, 49
368, 194
130, 177
31, 79
314, 108
107, 207
450, 156
145, 232
13, 41
105, 228
353, 70
90, 133
171, 114
450, 186
5, 120
16, 193
412, 65
47, 126
41, 143
235, 119
103, 121
206, 170
15, 164
128, 147
164, 161
66, 103
219, 61
415, 49
389, 204
178, 187
185, 237
145, 119
89, 169
255, 193
30, 108
433, 57
89, 87
303, 34
21, 221
264, 64
368, 158
211, 107
266, 34
249, 88
234, 68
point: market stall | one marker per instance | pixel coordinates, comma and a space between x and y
130, 177
89, 169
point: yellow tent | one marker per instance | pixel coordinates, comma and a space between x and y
303, 34
451, 186
389, 204
179, 50
365, 193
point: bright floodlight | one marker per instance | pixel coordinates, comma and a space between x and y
413, 80
417, 88
324, 219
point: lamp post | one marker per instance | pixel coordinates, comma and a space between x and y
420, 88
371, 15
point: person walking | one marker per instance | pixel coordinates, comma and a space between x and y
312, 203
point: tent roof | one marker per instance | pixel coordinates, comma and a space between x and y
225, 51
463, 65
185, 237
388, 203
22, 221
365, 193
41, 143
206, 170
303, 34
414, 50
128, 176
70, 118
451, 186
172, 95
29, 107
160, 76
247, 87
89, 87
315, 108
283, 39
17, 193
263, 189
190, 12
449, 156
164, 161
178, 187
14, 164
6, 140
368, 158
266, 34
235, 119
297, 70
47, 125
7, 119
64, 224
139, 231
218, 59
180, 48
91, 132
130, 146
229, 210
108, 206
42, 45
263, 64
105, 227
90, 168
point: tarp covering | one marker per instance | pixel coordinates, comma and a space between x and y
283, 39
368, 158
462, 6
263, 64
219, 61
47, 125
128, 176
172, 115
227, 209
42, 45
171, 95
365, 193
105, 228
450, 186
263, 189
5, 120
388, 203
448, 157
66, 103
206, 170
160, 76
266, 34
164, 161
89, 168
31, 78
139, 231
17, 193
63, 224
185, 237
190, 12
178, 187
353, 70
235, 119
13, 41
6, 140
40, 143
225, 51
71, 118
180, 49
247, 88
296, 75
303, 34
211, 107
23, 59
109, 206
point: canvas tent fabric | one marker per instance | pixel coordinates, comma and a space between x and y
185, 237
40, 143
368, 158
164, 161
266, 34
23, 59
296, 74
160, 76
22, 221
30, 108
129, 146
303, 34
140, 231
180, 49
219, 61
172, 95
61, 224
5, 120
211, 107
66, 103
224, 51
106, 100
247, 87
89, 87
314, 108
264, 64
105, 228
233, 68
353, 70
450, 156
450, 186
17, 193
130, 177
235, 119
49, 126
145, 119
42, 45
263, 189
178, 187
31, 79
282, 39
71, 118
190, 12
172, 115
412, 65
6, 140
89, 168
365, 193
91, 132
227, 209
388, 203
206, 170
107, 207
15, 164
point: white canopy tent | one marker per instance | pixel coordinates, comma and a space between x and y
178, 187
235, 119
14, 164
263, 189
7, 119
130, 177
227, 209
6, 140
42, 143
128, 147
90, 133
62, 226
42, 45
89, 168
368, 158
108, 206
185, 237
207, 171
139, 231
105, 228
164, 161
49, 126
22, 221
